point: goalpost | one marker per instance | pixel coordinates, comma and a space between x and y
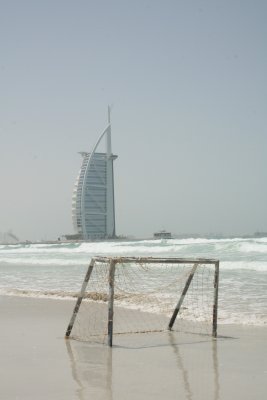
145, 294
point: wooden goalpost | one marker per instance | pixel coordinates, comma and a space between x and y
112, 263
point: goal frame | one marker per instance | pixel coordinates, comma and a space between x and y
113, 261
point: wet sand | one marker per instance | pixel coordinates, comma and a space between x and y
38, 363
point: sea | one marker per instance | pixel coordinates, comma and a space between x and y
57, 270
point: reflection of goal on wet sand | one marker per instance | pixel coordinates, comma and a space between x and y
141, 295
189, 363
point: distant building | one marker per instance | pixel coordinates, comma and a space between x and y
8, 238
260, 234
93, 208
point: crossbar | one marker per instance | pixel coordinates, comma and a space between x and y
156, 260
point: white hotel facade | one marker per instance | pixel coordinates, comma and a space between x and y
93, 207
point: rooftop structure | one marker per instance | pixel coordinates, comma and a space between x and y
93, 208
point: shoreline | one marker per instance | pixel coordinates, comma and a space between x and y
38, 363
256, 235
57, 295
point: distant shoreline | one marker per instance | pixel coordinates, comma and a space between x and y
256, 235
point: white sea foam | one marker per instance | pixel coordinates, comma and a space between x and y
56, 294
142, 247
260, 266
35, 261
57, 270
253, 247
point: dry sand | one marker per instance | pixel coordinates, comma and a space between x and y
38, 363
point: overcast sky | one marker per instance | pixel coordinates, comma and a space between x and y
187, 81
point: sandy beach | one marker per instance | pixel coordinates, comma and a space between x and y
38, 363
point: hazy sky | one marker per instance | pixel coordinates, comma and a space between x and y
187, 80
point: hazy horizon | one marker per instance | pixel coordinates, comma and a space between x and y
187, 81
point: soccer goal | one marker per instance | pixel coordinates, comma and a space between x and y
126, 295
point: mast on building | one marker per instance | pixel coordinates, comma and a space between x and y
93, 206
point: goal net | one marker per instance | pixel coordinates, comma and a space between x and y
126, 295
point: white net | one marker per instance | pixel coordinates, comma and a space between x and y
146, 292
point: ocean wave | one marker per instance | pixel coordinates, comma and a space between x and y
84, 260
53, 262
237, 255
143, 247
242, 318
244, 266
253, 247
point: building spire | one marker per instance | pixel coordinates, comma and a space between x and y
108, 134
109, 111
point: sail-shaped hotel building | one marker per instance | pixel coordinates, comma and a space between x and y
93, 208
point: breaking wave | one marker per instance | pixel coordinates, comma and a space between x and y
56, 270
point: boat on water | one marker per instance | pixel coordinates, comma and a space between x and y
162, 235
